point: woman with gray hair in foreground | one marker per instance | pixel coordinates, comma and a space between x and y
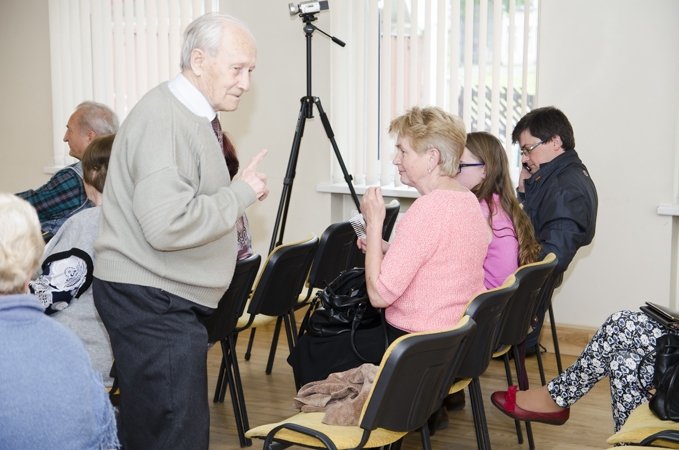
50, 395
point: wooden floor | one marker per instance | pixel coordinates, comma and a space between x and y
269, 399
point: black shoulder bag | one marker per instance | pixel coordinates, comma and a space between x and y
343, 307
664, 402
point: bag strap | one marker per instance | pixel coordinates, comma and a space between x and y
354, 327
313, 306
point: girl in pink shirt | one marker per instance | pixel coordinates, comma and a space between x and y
485, 171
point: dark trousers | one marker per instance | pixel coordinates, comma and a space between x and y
316, 357
160, 351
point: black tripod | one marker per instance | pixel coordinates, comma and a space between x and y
306, 111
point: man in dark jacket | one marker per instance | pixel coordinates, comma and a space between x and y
556, 190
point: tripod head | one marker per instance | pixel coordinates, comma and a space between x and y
308, 17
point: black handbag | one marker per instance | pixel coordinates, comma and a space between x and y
664, 402
342, 307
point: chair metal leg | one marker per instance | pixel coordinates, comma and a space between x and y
290, 333
276, 335
290, 330
248, 351
555, 339
293, 327
237, 396
508, 374
529, 433
425, 437
274, 344
219, 396
519, 353
479, 413
520, 362
541, 368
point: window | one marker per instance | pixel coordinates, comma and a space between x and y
474, 58
113, 52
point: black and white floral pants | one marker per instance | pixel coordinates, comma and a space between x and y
615, 351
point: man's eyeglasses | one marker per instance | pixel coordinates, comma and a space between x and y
526, 150
470, 165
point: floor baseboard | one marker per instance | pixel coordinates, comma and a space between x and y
572, 339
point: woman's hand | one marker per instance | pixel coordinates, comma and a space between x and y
373, 209
362, 245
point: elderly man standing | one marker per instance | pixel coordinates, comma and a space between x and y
64, 194
167, 244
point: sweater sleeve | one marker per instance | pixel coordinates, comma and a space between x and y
415, 240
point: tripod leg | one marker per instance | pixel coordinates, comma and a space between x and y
284, 203
331, 136
305, 111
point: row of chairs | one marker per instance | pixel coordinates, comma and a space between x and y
336, 251
418, 369
277, 294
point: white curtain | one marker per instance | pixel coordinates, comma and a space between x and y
113, 51
474, 58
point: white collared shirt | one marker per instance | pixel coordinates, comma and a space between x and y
191, 97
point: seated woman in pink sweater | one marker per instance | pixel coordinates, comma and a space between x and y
485, 171
434, 263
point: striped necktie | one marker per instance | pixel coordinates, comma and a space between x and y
217, 128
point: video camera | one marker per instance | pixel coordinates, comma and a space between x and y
309, 7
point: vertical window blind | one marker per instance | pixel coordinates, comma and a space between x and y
474, 58
113, 52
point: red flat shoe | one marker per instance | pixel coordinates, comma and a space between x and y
505, 401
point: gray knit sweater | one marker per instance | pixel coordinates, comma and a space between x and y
169, 210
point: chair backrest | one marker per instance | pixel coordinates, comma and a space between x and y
222, 322
414, 376
521, 307
333, 254
392, 209
487, 309
282, 279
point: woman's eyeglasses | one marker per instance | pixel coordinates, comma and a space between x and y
470, 165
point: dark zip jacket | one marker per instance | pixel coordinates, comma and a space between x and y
561, 201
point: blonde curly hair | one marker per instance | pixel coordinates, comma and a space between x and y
432, 127
21, 243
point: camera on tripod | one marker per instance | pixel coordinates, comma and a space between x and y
309, 7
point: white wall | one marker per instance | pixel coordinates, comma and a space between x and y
25, 90
611, 65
